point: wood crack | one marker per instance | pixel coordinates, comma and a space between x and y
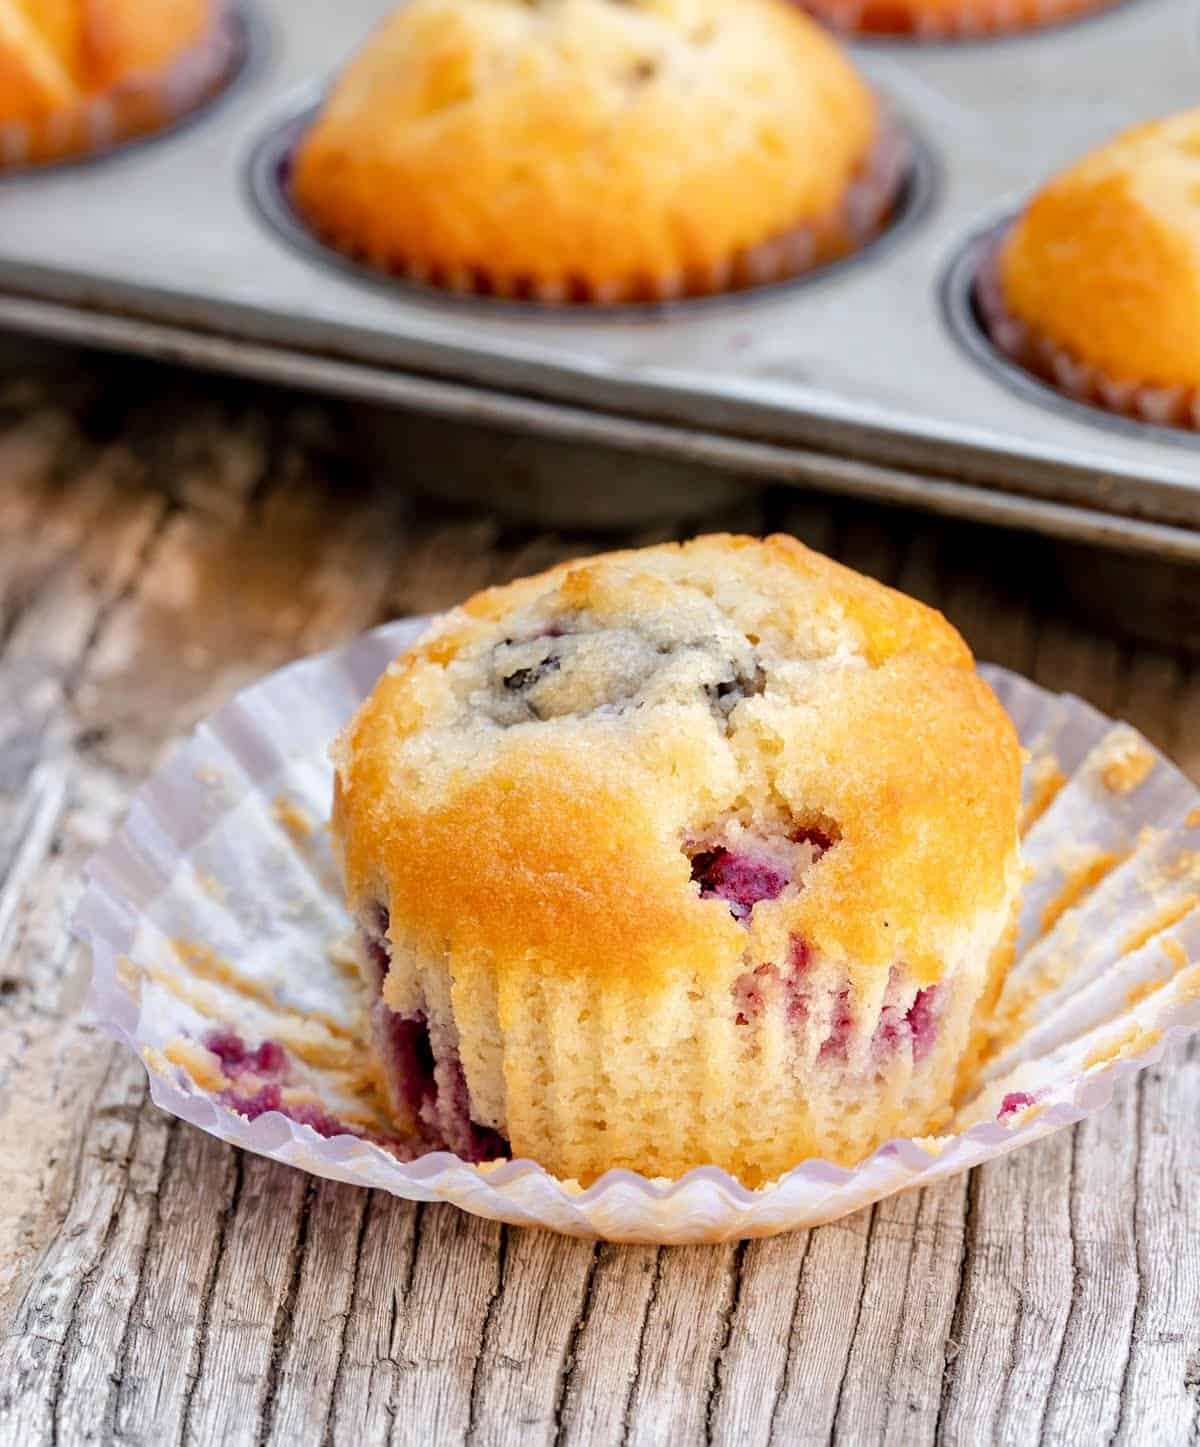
485, 1333
651, 1298
206, 1295
70, 1338
956, 1319
858, 1306
137, 1305
781, 1386
566, 1372
1072, 1210
713, 1395
326, 1435
282, 1329
1139, 1309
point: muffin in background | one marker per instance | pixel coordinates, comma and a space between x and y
598, 150
947, 19
1096, 286
701, 854
80, 76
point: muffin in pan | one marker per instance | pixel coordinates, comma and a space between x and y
80, 76
1096, 286
948, 19
698, 854
598, 150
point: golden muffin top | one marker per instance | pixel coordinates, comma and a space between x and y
56, 53
679, 758
583, 139
1105, 261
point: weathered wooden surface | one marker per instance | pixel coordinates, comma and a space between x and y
163, 541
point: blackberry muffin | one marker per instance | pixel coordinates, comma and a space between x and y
78, 76
1096, 287
698, 854
597, 150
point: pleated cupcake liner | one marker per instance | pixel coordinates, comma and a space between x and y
1031, 349
862, 213
141, 104
218, 938
970, 20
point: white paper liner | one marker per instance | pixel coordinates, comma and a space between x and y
102, 122
968, 21
1057, 366
216, 852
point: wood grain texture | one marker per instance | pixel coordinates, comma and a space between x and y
162, 541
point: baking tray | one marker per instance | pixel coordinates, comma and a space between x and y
856, 378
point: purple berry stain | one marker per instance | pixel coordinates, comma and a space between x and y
1014, 1101
236, 1058
739, 879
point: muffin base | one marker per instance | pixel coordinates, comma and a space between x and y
141, 105
863, 212
973, 18
1082, 381
795, 1063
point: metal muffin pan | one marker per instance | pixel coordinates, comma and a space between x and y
853, 380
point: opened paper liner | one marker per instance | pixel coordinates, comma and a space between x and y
219, 944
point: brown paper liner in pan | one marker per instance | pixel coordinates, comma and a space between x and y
863, 212
1031, 349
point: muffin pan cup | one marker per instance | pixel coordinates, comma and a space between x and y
143, 106
851, 380
888, 194
975, 300
215, 915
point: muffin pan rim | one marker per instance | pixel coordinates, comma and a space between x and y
267, 155
960, 312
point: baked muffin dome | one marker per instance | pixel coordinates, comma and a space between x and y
596, 149
698, 854
1104, 263
76, 75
